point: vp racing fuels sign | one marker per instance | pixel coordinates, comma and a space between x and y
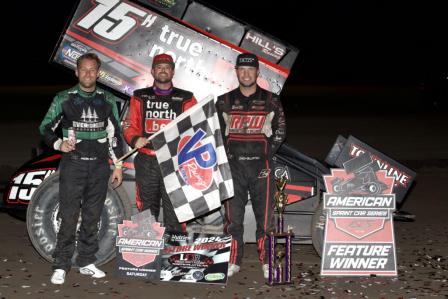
139, 244
359, 235
127, 36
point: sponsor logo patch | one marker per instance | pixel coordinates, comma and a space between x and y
196, 161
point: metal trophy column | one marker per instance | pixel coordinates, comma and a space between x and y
280, 253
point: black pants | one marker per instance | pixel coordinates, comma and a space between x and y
257, 178
150, 189
82, 187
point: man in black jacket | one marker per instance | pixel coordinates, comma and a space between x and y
89, 120
253, 126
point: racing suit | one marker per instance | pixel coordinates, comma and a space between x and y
150, 110
253, 128
83, 172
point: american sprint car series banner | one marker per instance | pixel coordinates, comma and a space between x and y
127, 36
139, 244
196, 258
359, 234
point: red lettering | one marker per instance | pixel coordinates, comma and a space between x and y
247, 121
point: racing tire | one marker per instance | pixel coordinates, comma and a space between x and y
42, 223
374, 188
318, 228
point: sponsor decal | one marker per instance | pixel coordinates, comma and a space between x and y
153, 125
109, 78
89, 117
359, 237
196, 161
24, 184
243, 158
281, 172
188, 259
79, 47
237, 107
263, 46
401, 177
247, 60
89, 121
70, 54
245, 123
214, 276
178, 238
163, 3
252, 124
159, 109
264, 173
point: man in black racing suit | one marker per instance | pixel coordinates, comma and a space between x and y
150, 110
84, 168
253, 125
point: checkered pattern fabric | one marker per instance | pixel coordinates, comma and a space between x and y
193, 161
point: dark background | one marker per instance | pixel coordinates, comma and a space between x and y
389, 54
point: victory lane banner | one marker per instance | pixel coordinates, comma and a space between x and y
196, 258
139, 245
193, 161
359, 235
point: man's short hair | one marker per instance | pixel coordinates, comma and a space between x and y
91, 56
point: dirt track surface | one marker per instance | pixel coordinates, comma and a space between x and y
422, 251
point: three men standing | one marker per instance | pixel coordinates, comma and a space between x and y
253, 127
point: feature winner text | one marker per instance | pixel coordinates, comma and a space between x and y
359, 256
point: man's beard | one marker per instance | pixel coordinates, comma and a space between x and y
163, 80
244, 84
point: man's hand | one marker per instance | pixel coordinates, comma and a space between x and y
141, 142
117, 177
66, 146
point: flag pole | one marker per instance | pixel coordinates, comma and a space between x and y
127, 154
136, 149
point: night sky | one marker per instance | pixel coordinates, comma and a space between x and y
342, 43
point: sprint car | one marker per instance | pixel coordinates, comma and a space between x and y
126, 35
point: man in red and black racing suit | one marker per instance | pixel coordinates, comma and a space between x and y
150, 110
253, 125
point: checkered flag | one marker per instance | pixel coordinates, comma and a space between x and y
193, 161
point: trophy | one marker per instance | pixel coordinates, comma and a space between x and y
280, 252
